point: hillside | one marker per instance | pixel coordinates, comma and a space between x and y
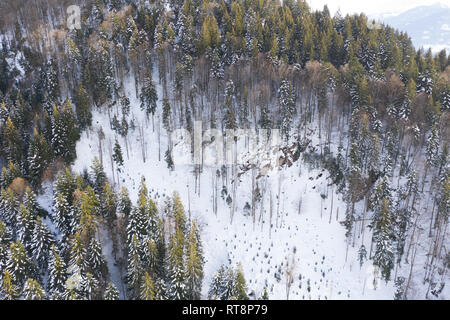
247, 149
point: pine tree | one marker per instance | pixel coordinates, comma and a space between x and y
33, 290
65, 184
115, 124
384, 254
56, 275
166, 114
63, 215
178, 82
117, 154
240, 286
229, 284
169, 160
148, 96
425, 82
19, 265
150, 258
97, 175
89, 286
152, 219
9, 173
41, 243
160, 290
89, 208
108, 203
5, 239
178, 212
124, 203
362, 254
432, 147
125, 103
83, 108
124, 127
445, 100
49, 79
265, 295
12, 143
399, 292
210, 33
230, 115
78, 254
134, 267
72, 291
111, 292
287, 106
186, 33
9, 209
194, 265
161, 257
177, 274
138, 219
8, 291
101, 73
217, 286
217, 65
29, 201
147, 288
26, 222
97, 263
65, 132
39, 156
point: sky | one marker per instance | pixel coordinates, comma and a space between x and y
372, 7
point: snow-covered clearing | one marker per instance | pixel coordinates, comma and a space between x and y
304, 238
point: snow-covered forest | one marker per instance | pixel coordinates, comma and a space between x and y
219, 149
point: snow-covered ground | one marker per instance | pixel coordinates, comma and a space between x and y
300, 232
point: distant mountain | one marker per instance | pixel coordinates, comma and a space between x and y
428, 26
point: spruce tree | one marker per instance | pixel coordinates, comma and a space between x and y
63, 215
19, 264
97, 263
217, 286
384, 254
150, 258
57, 274
194, 265
166, 114
78, 254
147, 288
98, 175
240, 286
33, 290
178, 212
9, 209
117, 155
108, 203
39, 156
26, 222
41, 243
148, 96
5, 238
111, 292
134, 267
287, 106
83, 108
89, 286
169, 160
124, 203
177, 273
65, 132
8, 290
